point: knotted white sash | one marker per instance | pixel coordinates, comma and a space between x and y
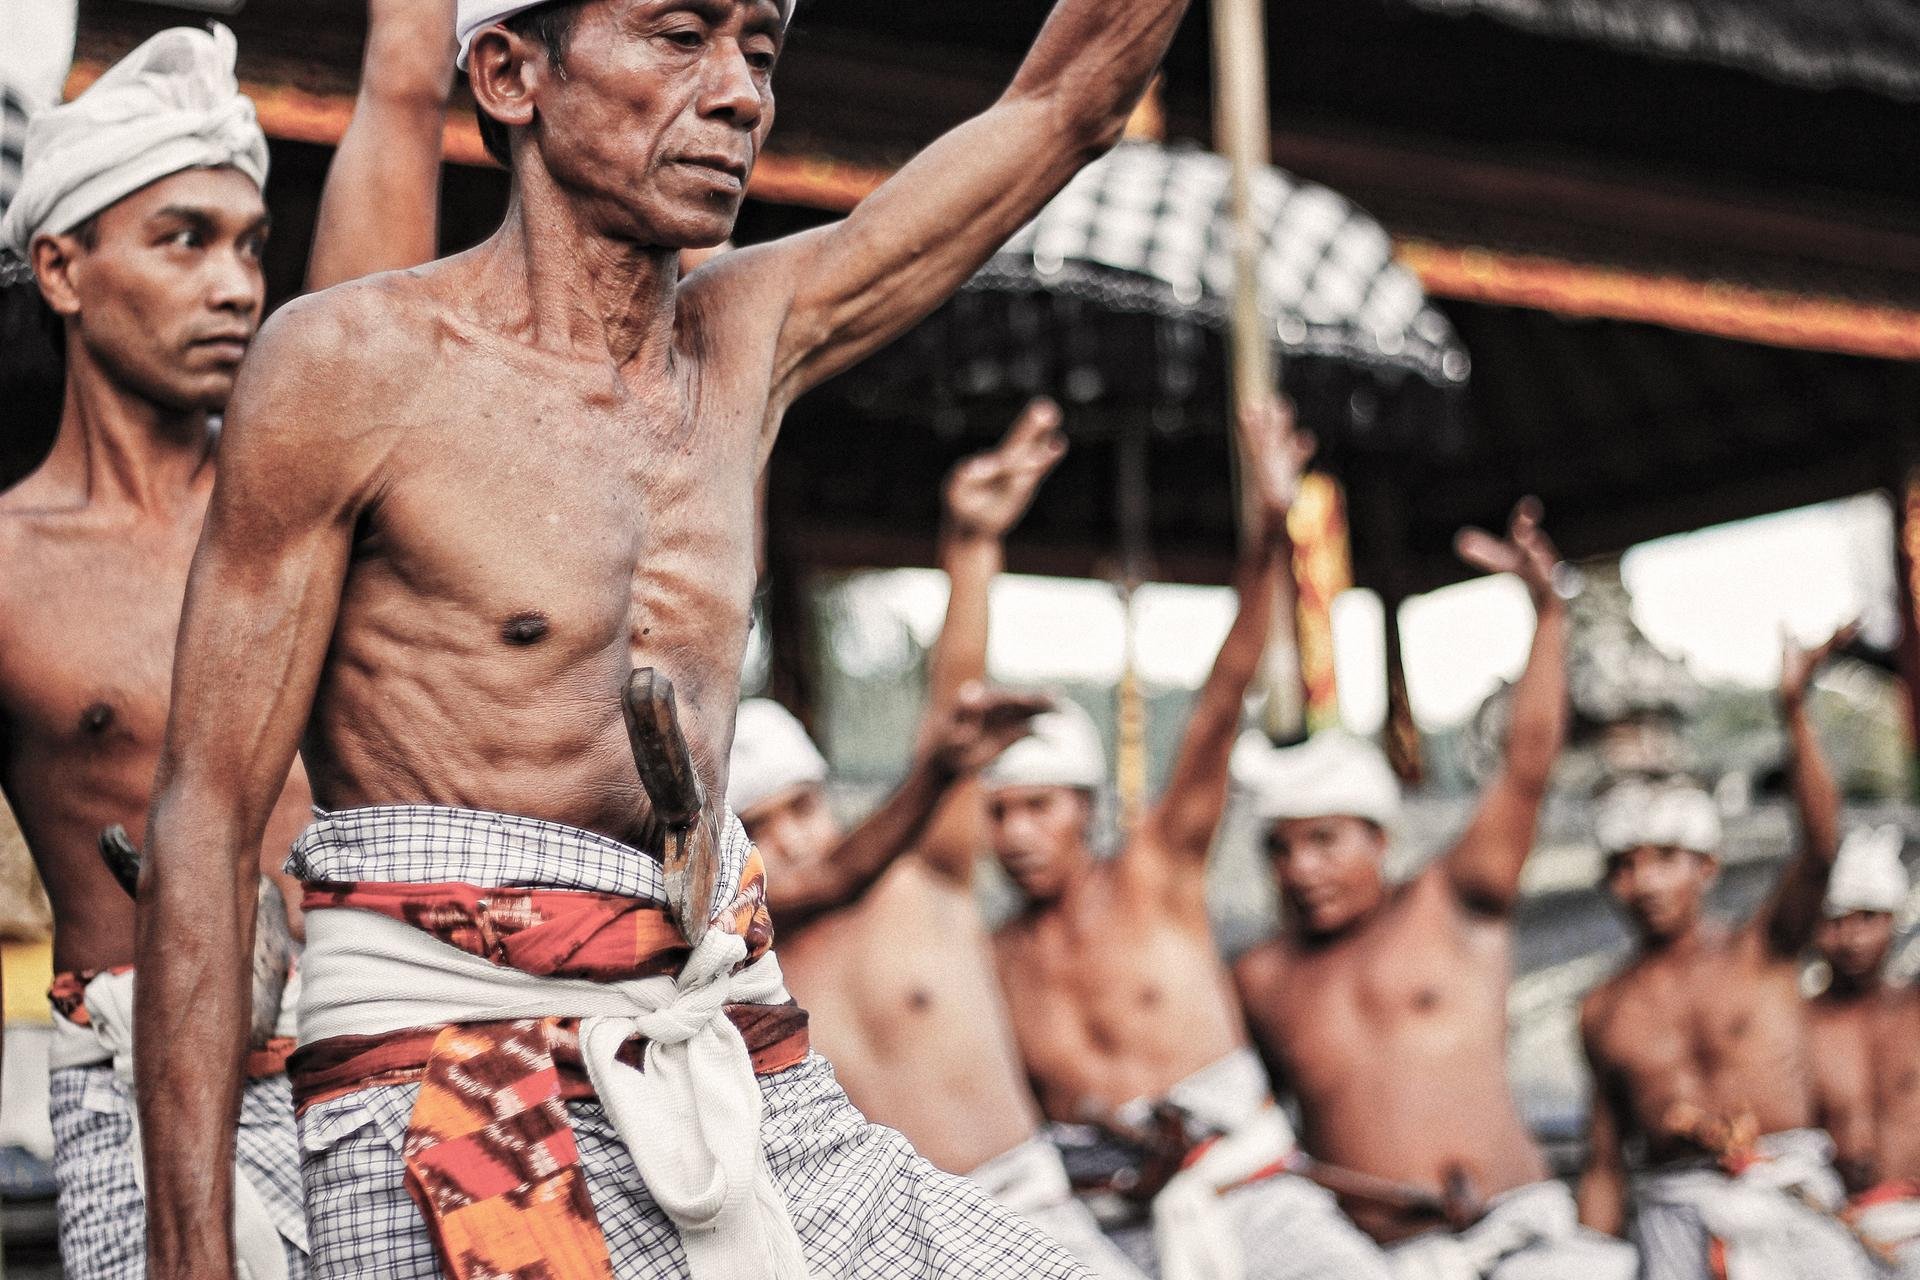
691, 1117
110, 1040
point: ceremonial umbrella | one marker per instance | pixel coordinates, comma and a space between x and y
1118, 301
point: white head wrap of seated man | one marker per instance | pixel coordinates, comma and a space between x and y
1063, 750
771, 754
1671, 814
170, 105
475, 16
1867, 876
1332, 774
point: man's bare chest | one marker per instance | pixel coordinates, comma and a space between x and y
86, 648
1422, 990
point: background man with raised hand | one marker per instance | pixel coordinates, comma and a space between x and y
141, 214
1865, 1034
1699, 1048
919, 1036
1383, 1008
456, 509
1119, 998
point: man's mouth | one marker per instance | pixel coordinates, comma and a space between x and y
231, 347
735, 171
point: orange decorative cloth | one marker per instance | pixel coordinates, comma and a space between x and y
490, 1153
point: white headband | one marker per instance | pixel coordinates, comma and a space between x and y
1064, 750
476, 16
1675, 815
1867, 876
1332, 774
771, 753
171, 105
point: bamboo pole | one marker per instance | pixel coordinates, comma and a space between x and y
1241, 135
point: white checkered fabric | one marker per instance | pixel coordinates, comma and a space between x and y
1149, 229
864, 1205
1289, 1228
424, 844
103, 1229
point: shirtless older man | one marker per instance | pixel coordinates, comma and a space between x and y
1383, 1008
1123, 1009
919, 1036
1699, 1047
1865, 1035
456, 509
142, 215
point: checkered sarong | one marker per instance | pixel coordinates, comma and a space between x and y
862, 1203
1781, 1212
103, 1227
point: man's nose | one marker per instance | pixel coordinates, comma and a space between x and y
731, 91
234, 284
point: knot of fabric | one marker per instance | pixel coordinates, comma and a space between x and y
689, 1115
170, 105
258, 1253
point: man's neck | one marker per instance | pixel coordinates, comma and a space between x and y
1849, 990
585, 290
1695, 939
117, 446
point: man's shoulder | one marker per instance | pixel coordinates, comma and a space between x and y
376, 321
1263, 964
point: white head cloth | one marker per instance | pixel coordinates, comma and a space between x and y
771, 753
1867, 876
172, 104
1639, 812
1064, 750
1331, 774
475, 16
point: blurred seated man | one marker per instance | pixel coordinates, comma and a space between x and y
918, 1035
1866, 1051
1382, 1008
142, 214
1124, 1012
1702, 1071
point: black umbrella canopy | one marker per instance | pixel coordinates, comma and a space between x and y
1116, 299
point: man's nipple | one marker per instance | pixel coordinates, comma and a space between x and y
526, 628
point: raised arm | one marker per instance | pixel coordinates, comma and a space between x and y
980, 725
985, 497
1602, 1191
860, 283
1483, 868
1786, 923
1181, 827
259, 614
380, 207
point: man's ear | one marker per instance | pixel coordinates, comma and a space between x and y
1710, 867
504, 69
56, 261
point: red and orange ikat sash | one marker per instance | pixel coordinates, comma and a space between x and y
490, 1153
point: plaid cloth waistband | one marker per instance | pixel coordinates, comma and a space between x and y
429, 844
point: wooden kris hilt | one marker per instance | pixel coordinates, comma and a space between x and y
689, 855
122, 859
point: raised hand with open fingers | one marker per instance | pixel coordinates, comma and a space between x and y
982, 723
1278, 452
1526, 552
988, 493
1799, 665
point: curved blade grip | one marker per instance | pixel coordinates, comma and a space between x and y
690, 857
122, 859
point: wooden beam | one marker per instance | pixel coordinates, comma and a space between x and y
1772, 317
296, 115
